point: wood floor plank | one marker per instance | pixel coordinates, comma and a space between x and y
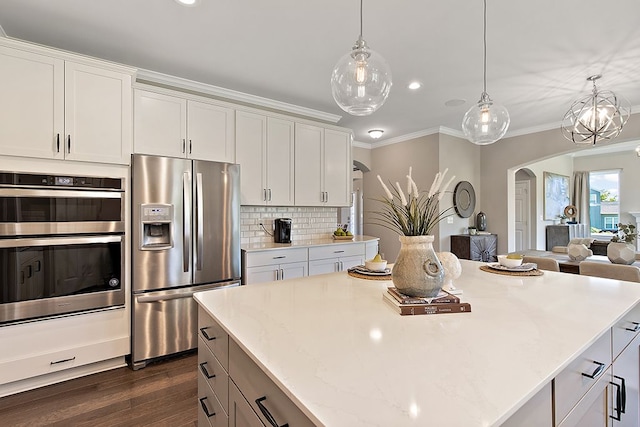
163, 393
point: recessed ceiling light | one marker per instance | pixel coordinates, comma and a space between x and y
376, 133
188, 2
415, 85
455, 102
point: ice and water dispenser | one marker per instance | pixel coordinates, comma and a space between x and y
156, 223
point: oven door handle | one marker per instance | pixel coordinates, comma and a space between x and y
58, 241
160, 298
56, 193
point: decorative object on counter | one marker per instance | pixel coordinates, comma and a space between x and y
452, 269
376, 264
495, 268
413, 308
361, 272
481, 221
464, 199
510, 260
417, 270
486, 122
361, 80
578, 249
622, 249
581, 124
342, 233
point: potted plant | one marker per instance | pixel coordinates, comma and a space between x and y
622, 248
417, 270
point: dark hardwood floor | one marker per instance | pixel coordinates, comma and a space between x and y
162, 394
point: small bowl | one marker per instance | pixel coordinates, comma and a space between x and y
509, 262
375, 265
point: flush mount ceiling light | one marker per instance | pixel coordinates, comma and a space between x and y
188, 2
414, 85
376, 133
486, 122
597, 117
361, 80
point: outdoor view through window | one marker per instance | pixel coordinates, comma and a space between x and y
604, 206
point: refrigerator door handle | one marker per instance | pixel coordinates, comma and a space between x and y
159, 298
199, 222
186, 220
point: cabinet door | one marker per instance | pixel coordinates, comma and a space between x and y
159, 124
627, 368
280, 162
308, 165
337, 168
323, 266
266, 273
250, 154
210, 132
240, 413
348, 262
32, 107
293, 270
371, 249
97, 114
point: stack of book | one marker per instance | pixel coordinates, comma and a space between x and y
444, 302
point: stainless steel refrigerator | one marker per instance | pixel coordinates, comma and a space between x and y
185, 239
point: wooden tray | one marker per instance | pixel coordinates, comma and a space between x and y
342, 237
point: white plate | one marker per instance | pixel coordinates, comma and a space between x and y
363, 270
523, 267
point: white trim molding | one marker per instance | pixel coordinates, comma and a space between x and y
152, 77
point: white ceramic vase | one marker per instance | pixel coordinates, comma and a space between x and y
621, 253
417, 271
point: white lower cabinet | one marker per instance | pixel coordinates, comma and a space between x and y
270, 265
625, 384
337, 257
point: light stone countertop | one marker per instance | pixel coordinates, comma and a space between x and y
347, 359
304, 243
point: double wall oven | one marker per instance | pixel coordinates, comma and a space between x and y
61, 245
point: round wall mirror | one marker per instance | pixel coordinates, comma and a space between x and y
464, 199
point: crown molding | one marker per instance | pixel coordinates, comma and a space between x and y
358, 144
148, 76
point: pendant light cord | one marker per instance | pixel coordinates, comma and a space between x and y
361, 18
485, 46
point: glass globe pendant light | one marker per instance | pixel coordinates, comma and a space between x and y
597, 117
486, 122
361, 80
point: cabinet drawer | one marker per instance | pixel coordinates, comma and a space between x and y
256, 386
214, 337
210, 412
241, 414
214, 374
274, 257
572, 383
336, 250
593, 408
625, 330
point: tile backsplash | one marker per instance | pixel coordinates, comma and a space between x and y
307, 223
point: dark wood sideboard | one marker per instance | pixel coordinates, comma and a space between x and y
479, 247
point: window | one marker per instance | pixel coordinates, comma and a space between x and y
604, 197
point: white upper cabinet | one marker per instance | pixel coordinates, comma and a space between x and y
62, 109
322, 166
170, 125
265, 152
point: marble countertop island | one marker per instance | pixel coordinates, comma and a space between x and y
346, 358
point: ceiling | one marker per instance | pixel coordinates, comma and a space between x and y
539, 52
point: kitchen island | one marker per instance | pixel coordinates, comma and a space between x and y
345, 358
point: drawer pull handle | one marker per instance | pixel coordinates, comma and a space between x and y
618, 407
205, 372
636, 327
623, 393
63, 361
596, 371
205, 409
338, 252
279, 257
204, 333
267, 414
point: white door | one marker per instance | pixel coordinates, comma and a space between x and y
265, 273
160, 124
250, 147
279, 162
32, 107
293, 270
523, 216
210, 132
97, 114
